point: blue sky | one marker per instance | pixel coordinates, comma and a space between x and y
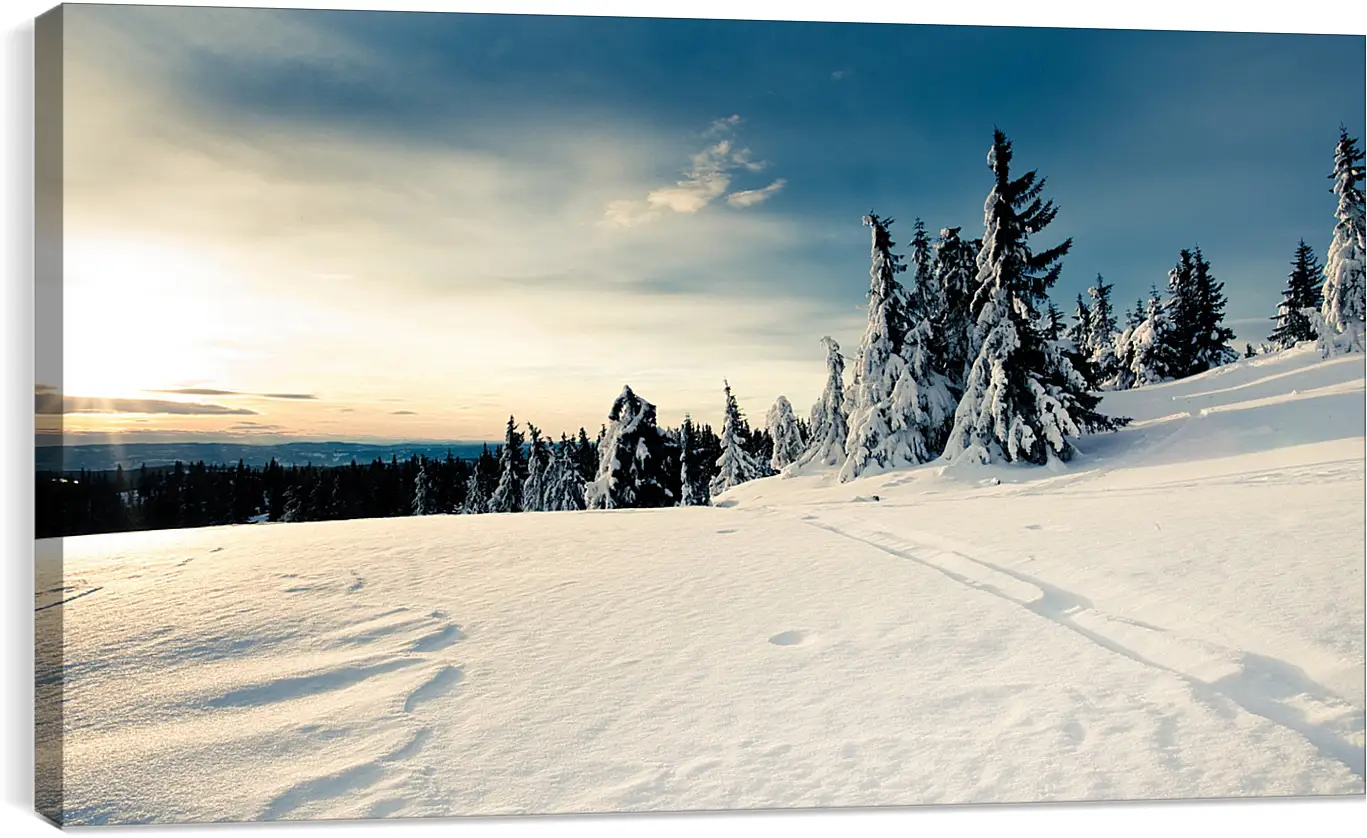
488, 203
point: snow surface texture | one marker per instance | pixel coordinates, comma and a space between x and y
1177, 613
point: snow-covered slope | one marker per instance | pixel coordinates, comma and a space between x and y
1177, 614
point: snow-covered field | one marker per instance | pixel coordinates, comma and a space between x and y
1179, 613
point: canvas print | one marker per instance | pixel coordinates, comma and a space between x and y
448, 414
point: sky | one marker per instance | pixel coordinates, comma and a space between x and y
356, 225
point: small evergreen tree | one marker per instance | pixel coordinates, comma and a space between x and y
564, 484
1302, 292
786, 433
1344, 306
1101, 332
829, 425
736, 465
1150, 355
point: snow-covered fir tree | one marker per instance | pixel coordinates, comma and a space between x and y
900, 406
1024, 401
425, 492
512, 472
1302, 292
1150, 354
476, 499
956, 274
786, 431
830, 427
564, 483
637, 462
538, 464
736, 465
1344, 306
1100, 349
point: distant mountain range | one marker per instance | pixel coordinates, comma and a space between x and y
105, 457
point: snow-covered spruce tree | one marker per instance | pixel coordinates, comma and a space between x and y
638, 464
782, 425
1024, 401
736, 465
1150, 353
1302, 292
476, 500
1101, 332
512, 472
898, 409
1345, 290
829, 425
425, 501
956, 273
538, 464
564, 484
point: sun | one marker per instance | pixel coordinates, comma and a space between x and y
139, 315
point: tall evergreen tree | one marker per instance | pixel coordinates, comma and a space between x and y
829, 425
1024, 401
1344, 306
1302, 292
736, 465
956, 274
512, 472
638, 464
783, 427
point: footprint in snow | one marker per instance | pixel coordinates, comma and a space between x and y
789, 638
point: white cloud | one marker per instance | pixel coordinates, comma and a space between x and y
750, 197
708, 178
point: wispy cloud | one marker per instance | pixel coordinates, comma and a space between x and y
707, 178
50, 404
403, 413
208, 391
750, 197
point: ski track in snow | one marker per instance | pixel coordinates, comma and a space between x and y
1261, 685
